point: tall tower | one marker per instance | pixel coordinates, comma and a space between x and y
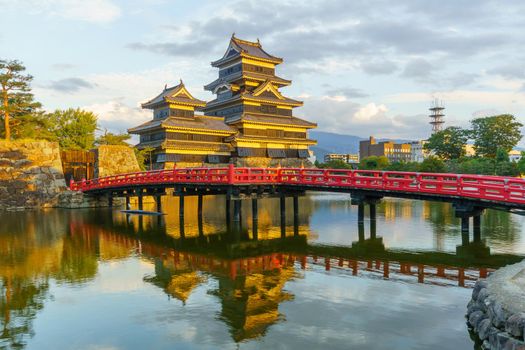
436, 116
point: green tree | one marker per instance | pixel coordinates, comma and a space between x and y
496, 132
74, 128
16, 96
521, 164
374, 163
109, 138
432, 164
335, 164
144, 156
449, 143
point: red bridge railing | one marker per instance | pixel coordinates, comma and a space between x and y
495, 188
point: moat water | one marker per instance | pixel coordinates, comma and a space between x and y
98, 279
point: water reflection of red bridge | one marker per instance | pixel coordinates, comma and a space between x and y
408, 272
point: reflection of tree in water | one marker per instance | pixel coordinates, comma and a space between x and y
20, 300
442, 219
499, 226
78, 262
32, 250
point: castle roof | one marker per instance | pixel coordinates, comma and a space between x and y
243, 48
177, 95
197, 122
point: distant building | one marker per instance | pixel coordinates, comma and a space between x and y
347, 158
470, 151
417, 151
514, 155
395, 152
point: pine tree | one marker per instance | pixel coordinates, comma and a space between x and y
15, 94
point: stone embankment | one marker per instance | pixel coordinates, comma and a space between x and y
30, 174
496, 312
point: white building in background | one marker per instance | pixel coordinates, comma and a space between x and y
514, 155
417, 151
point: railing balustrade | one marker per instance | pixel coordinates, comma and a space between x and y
495, 188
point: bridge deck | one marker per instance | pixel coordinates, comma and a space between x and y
486, 190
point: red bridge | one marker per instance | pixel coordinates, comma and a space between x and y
469, 194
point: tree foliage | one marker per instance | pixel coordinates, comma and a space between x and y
374, 163
109, 138
521, 164
432, 165
144, 156
449, 143
496, 132
74, 129
17, 107
334, 164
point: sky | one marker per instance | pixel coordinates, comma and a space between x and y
361, 67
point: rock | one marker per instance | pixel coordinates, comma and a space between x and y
515, 324
482, 295
497, 314
475, 317
480, 284
483, 328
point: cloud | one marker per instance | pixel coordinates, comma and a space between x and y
418, 68
62, 66
100, 11
339, 115
379, 67
115, 116
511, 71
347, 92
70, 85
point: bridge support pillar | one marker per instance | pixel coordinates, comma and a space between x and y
296, 215
282, 200
128, 205
465, 224
237, 211
199, 205
181, 206
141, 202
372, 211
477, 228
361, 231
360, 213
255, 218
110, 200
228, 209
158, 202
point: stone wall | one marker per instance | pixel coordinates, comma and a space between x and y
112, 160
30, 174
496, 312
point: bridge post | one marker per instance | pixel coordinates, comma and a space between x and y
199, 205
110, 200
465, 224
228, 209
141, 202
372, 207
361, 213
372, 229
128, 205
282, 200
296, 215
158, 202
477, 228
237, 210
181, 206
255, 219
361, 231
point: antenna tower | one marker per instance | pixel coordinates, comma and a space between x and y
436, 116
